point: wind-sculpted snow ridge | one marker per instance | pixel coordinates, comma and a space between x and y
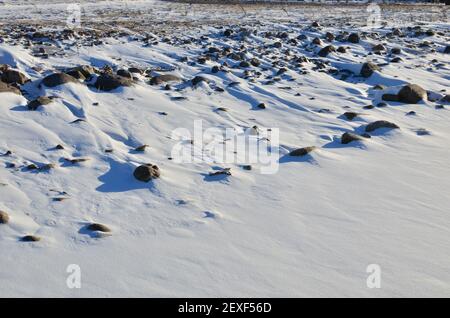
91, 120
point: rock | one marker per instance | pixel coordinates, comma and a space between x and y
225, 171
380, 124
124, 73
228, 32
396, 50
30, 238
378, 48
390, 97
106, 82
14, 77
159, 79
353, 38
326, 50
135, 70
341, 49
329, 36
302, 151
396, 59
141, 148
379, 87
315, 24
350, 115
57, 79
244, 64
261, 106
255, 62
146, 172
198, 79
81, 72
215, 69
368, 68
41, 100
411, 94
4, 217
6, 88
32, 166
447, 49
317, 41
98, 227
348, 137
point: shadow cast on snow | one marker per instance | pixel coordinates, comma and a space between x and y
119, 178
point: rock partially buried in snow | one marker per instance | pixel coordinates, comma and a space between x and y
302, 151
146, 172
380, 124
30, 238
98, 228
411, 94
14, 77
42, 100
159, 79
4, 217
198, 79
107, 82
368, 68
57, 79
353, 38
5, 88
326, 50
348, 137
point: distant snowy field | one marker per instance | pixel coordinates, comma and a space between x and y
310, 229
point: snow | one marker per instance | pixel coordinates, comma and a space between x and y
310, 229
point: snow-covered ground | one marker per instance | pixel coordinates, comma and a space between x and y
311, 228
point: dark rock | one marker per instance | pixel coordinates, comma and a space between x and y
57, 79
368, 68
98, 227
124, 73
411, 94
353, 38
326, 50
159, 79
244, 64
141, 148
447, 49
226, 171
261, 106
378, 48
85, 70
14, 77
396, 50
135, 70
255, 62
146, 172
350, 115
198, 79
380, 124
4, 217
6, 88
30, 238
348, 137
341, 49
302, 151
317, 41
42, 100
106, 82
